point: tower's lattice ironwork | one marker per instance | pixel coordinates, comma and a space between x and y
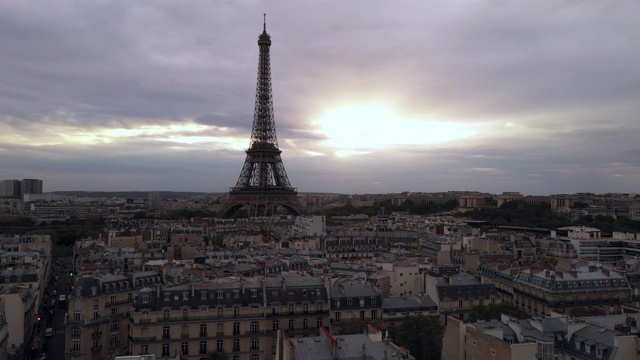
263, 184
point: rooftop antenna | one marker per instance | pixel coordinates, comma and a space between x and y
264, 24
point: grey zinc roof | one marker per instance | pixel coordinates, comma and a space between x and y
396, 303
529, 331
352, 289
350, 348
597, 334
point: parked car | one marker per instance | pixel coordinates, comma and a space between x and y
49, 332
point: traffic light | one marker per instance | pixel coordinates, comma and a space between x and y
39, 317
70, 273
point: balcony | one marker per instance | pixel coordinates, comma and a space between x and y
204, 318
219, 333
142, 339
96, 335
203, 334
257, 332
184, 336
96, 348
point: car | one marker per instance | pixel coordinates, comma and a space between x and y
49, 332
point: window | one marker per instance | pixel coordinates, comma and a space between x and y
374, 314
114, 339
203, 329
115, 326
185, 348
460, 304
75, 332
236, 311
145, 299
165, 315
203, 296
165, 349
95, 314
220, 312
185, 314
203, 347
236, 328
167, 296
319, 307
185, 331
291, 309
276, 325
255, 327
114, 311
349, 303
305, 308
255, 344
598, 352
361, 302
220, 294
144, 349
220, 345
185, 295
220, 329
166, 332
236, 294
374, 301
76, 316
254, 357
336, 317
113, 299
236, 344
254, 293
319, 323
75, 344
129, 296
275, 311
291, 324
305, 324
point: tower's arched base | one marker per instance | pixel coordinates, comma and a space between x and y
260, 203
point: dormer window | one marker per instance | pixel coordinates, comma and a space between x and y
167, 296
220, 294
203, 296
599, 353
254, 293
145, 299
577, 343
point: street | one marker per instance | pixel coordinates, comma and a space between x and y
54, 346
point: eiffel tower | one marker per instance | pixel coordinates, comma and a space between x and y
263, 185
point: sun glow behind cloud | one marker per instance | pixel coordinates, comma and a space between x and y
362, 129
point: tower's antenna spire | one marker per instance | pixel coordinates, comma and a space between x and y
264, 24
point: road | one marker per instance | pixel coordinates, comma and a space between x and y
55, 343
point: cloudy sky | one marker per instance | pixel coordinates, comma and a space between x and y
370, 96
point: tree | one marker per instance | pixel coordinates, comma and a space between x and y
421, 334
217, 355
493, 312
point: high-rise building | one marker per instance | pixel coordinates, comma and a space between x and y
10, 188
31, 186
263, 185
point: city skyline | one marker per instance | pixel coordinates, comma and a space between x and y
373, 97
